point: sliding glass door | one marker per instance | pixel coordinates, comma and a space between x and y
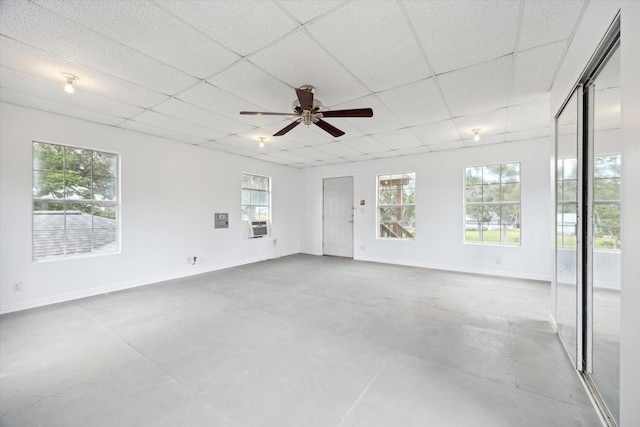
588, 228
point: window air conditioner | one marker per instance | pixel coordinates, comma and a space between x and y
258, 229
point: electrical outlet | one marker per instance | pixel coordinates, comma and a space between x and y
498, 260
362, 247
275, 242
17, 287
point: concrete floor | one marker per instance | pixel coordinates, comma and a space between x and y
298, 341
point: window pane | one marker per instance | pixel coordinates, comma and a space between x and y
569, 191
474, 221
105, 188
246, 197
48, 229
48, 157
510, 192
77, 186
246, 213
570, 168
105, 164
510, 172
510, 222
473, 193
491, 193
606, 226
491, 174
474, 175
606, 189
255, 197
79, 228
264, 198
48, 185
606, 166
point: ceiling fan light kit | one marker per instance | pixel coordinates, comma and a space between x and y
310, 111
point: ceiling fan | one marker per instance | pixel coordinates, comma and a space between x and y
310, 112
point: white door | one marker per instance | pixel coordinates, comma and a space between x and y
337, 236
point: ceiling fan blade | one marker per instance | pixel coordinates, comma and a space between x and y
287, 128
334, 131
356, 112
265, 113
306, 99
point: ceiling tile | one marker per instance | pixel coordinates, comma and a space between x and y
528, 134
79, 44
485, 140
39, 63
291, 157
547, 21
535, 71
476, 31
305, 11
163, 133
374, 43
528, 116
309, 65
38, 103
312, 153
365, 145
207, 96
489, 123
145, 27
171, 123
383, 119
242, 26
272, 143
248, 82
192, 114
413, 150
416, 103
337, 149
453, 145
53, 91
397, 139
436, 133
235, 145
478, 88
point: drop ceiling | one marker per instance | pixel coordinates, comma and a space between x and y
183, 70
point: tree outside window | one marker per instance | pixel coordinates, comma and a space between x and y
255, 197
75, 201
492, 204
397, 206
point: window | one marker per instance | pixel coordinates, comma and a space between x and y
567, 202
75, 201
397, 206
492, 204
606, 202
255, 198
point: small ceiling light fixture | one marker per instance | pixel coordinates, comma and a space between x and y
261, 138
476, 134
71, 79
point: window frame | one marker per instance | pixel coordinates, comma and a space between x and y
410, 233
499, 203
268, 190
115, 204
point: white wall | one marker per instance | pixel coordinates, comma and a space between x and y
439, 241
597, 18
169, 194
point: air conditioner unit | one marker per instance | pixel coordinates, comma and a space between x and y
258, 229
